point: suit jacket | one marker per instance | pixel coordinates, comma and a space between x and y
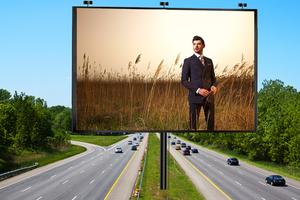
195, 75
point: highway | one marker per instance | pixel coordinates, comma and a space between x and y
241, 182
88, 177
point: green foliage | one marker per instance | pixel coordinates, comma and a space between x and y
4, 95
278, 133
26, 123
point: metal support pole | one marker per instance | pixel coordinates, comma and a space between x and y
163, 160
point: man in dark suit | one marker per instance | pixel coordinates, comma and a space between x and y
198, 77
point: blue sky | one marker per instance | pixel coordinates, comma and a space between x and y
36, 42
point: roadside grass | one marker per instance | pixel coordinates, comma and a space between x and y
98, 139
283, 170
179, 186
28, 158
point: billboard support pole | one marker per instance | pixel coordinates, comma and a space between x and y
163, 160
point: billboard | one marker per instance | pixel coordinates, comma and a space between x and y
152, 69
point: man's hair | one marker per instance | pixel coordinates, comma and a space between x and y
196, 37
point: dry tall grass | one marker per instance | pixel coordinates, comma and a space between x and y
135, 102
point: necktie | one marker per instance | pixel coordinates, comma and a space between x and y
202, 60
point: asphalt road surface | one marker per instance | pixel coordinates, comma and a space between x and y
239, 182
89, 177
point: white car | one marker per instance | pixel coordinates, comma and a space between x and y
118, 150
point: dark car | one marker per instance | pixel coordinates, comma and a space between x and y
173, 143
195, 150
134, 138
186, 152
169, 136
178, 142
129, 142
133, 148
188, 147
183, 145
174, 137
275, 180
232, 161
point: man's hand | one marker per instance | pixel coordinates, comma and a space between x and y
213, 90
203, 92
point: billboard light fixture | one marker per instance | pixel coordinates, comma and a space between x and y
164, 3
87, 3
242, 5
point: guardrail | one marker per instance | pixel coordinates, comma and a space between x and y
142, 176
17, 171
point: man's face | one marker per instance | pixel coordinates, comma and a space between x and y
198, 46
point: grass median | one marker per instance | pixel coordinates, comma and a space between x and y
98, 139
179, 186
28, 158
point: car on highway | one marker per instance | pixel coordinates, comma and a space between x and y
178, 142
169, 136
137, 144
129, 142
188, 147
194, 150
232, 161
174, 137
118, 150
134, 138
178, 147
275, 180
183, 145
173, 143
133, 148
186, 152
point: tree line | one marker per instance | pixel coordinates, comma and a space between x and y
27, 123
277, 138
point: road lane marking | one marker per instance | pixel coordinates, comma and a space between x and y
74, 197
103, 171
65, 182
206, 178
294, 186
221, 172
39, 198
26, 189
92, 181
82, 162
81, 172
52, 176
294, 198
111, 164
238, 183
71, 167
117, 180
261, 183
263, 198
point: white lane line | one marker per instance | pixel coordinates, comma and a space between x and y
103, 171
26, 189
74, 197
221, 172
92, 181
238, 183
261, 183
209, 165
293, 198
65, 182
81, 172
39, 198
71, 167
52, 176
111, 164
82, 162
263, 198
